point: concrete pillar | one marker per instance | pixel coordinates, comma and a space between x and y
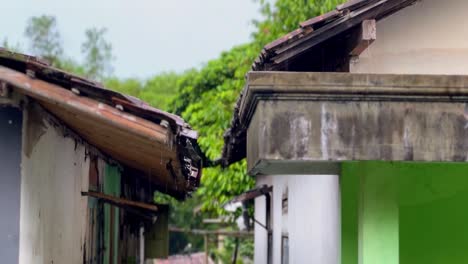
378, 219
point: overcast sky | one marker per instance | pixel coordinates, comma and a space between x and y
148, 36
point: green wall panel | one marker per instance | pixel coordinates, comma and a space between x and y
111, 215
430, 220
349, 183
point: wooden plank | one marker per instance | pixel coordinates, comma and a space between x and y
366, 35
111, 214
252, 194
320, 19
121, 202
157, 236
212, 232
353, 5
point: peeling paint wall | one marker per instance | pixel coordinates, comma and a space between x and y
426, 38
53, 211
10, 178
56, 222
339, 131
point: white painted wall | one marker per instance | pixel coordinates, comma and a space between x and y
53, 212
430, 37
261, 235
312, 223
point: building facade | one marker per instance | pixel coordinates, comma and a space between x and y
79, 168
358, 123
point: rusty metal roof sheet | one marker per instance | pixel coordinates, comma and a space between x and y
159, 144
311, 35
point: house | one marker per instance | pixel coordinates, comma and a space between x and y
355, 127
79, 167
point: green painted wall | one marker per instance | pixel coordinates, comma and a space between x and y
111, 216
399, 212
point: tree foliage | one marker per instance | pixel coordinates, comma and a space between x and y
9, 46
98, 54
158, 91
45, 41
206, 97
44, 36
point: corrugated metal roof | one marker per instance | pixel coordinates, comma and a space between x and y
159, 144
311, 37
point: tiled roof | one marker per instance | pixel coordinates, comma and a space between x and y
279, 53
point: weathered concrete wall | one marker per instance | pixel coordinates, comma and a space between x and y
55, 170
10, 178
338, 131
304, 123
310, 220
429, 37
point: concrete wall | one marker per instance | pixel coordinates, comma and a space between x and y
391, 212
10, 178
422, 221
429, 37
55, 170
311, 220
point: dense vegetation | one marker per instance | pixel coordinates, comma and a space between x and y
204, 97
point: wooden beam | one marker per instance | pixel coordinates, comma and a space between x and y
206, 248
252, 194
157, 236
121, 202
366, 35
211, 232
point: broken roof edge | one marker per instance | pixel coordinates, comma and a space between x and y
55, 88
40, 69
311, 33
